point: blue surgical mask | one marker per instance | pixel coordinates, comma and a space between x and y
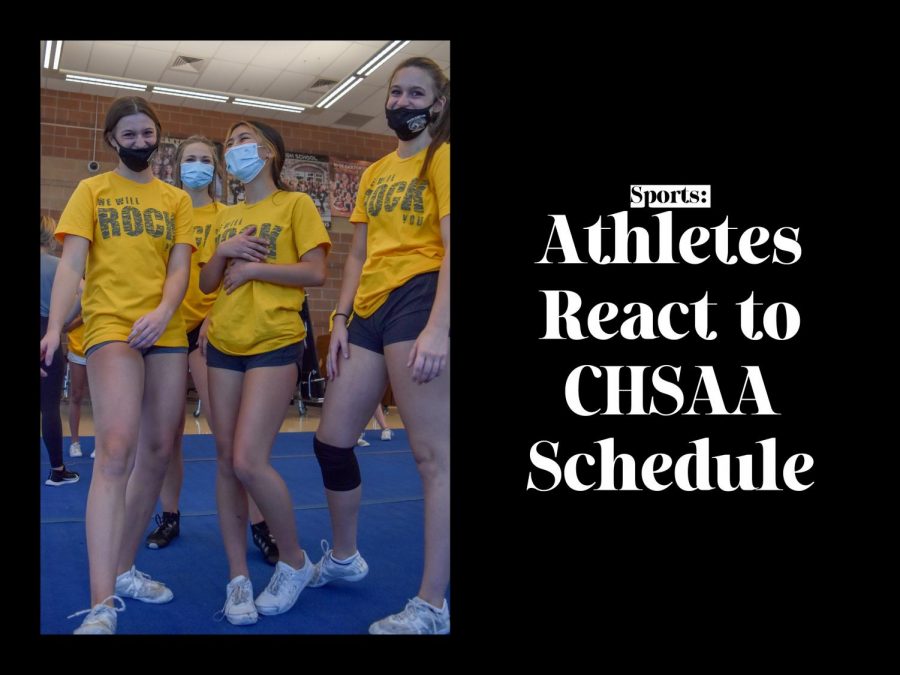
196, 175
243, 162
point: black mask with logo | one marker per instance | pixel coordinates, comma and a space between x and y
137, 159
408, 123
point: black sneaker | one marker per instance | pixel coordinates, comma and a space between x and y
61, 477
168, 526
265, 541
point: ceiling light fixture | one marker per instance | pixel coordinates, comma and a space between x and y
391, 49
83, 79
337, 90
343, 93
49, 53
219, 98
268, 104
367, 69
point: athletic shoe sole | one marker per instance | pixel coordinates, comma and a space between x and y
62, 482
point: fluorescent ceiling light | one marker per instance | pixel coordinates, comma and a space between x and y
369, 67
83, 79
343, 93
365, 73
190, 94
362, 71
48, 53
268, 105
340, 88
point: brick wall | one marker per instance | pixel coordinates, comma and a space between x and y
67, 144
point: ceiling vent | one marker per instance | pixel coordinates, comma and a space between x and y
188, 64
354, 120
322, 85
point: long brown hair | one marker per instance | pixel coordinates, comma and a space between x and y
124, 106
440, 124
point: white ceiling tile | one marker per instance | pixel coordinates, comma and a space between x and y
202, 49
239, 51
254, 81
441, 52
279, 53
348, 62
289, 87
317, 55
147, 64
370, 100
220, 75
75, 56
109, 58
421, 47
161, 45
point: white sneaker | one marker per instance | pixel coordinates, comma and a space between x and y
284, 588
328, 569
93, 454
387, 434
75, 450
100, 619
362, 442
137, 585
417, 618
239, 608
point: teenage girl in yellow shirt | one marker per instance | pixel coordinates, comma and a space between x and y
133, 233
392, 321
263, 252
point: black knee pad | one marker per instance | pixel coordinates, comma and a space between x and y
340, 470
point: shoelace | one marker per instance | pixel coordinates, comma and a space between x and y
419, 611
326, 547
164, 524
280, 577
114, 598
138, 578
239, 594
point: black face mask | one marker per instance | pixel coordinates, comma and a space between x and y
137, 159
408, 123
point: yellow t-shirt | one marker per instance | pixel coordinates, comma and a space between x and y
404, 223
260, 316
131, 227
76, 341
196, 303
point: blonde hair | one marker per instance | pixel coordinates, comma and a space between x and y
217, 165
48, 227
